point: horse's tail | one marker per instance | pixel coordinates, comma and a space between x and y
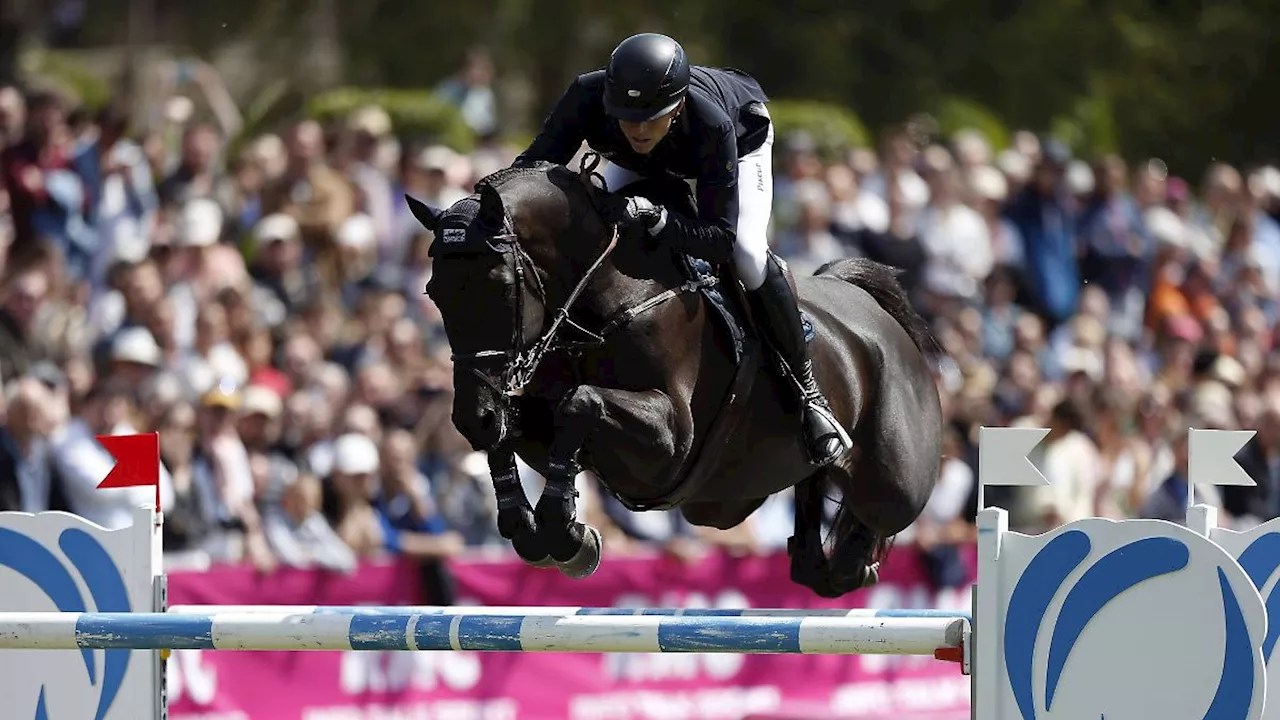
854, 544
881, 283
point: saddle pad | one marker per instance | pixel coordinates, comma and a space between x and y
732, 318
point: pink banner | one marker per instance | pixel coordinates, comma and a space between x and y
228, 685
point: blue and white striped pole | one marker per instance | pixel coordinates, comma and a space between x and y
453, 631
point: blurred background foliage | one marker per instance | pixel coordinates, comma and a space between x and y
1184, 80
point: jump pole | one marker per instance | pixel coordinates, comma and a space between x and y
451, 631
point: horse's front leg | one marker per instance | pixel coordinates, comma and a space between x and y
646, 432
515, 515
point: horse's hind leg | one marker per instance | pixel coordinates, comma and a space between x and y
883, 492
641, 432
856, 548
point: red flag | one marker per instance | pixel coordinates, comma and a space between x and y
137, 461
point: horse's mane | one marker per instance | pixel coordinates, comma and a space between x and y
562, 176
668, 191
507, 174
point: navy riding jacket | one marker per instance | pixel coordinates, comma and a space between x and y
722, 121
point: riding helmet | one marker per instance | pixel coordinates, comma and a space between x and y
647, 76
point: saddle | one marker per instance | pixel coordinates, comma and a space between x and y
726, 295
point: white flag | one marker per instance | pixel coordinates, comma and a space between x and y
1002, 456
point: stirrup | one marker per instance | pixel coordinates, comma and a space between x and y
818, 405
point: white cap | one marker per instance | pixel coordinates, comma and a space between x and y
136, 345
277, 226
354, 454
370, 119
200, 224
357, 231
436, 157
129, 243
989, 183
259, 400
1079, 177
1014, 164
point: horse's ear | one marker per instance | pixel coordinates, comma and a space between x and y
427, 215
491, 213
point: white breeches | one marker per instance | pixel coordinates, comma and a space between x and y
755, 207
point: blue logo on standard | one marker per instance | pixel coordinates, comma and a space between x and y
106, 587
1260, 561
1127, 611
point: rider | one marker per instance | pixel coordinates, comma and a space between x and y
651, 113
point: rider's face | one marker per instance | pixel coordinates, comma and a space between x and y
644, 136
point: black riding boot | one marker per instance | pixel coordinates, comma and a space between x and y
778, 315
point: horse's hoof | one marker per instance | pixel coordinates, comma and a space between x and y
545, 562
587, 559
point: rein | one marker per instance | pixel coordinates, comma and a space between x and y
524, 361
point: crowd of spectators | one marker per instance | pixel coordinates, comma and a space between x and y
264, 312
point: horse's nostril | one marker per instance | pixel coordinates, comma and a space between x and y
487, 419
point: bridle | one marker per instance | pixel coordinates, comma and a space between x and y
521, 361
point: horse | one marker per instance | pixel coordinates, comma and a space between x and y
576, 346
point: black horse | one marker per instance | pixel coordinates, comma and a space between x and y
576, 348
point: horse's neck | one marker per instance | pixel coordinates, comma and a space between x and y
632, 275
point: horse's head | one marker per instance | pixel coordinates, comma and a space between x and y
491, 294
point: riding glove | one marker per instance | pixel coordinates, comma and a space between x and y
640, 211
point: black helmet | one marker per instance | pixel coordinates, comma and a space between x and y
648, 76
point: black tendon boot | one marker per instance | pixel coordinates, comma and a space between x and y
778, 315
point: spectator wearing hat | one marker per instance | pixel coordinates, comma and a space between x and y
258, 425
135, 356
957, 240
278, 268
223, 472
353, 485
990, 190
357, 247
370, 128
203, 266
430, 180
365, 526
897, 244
